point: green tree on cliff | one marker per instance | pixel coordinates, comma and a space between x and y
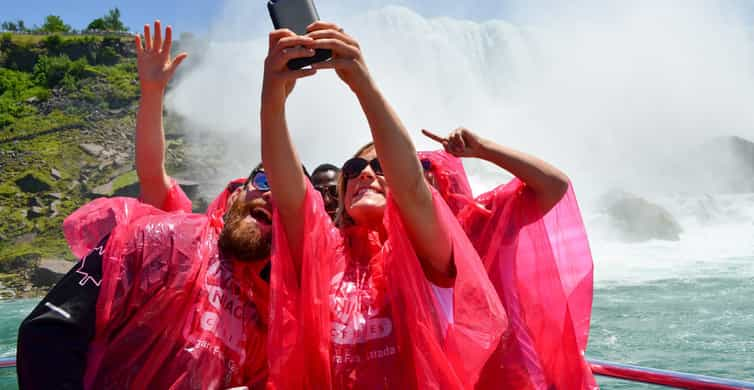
54, 24
17, 26
109, 22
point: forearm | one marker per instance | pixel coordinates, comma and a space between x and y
281, 161
395, 149
150, 149
546, 181
405, 179
286, 178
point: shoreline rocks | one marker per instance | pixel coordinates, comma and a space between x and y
636, 219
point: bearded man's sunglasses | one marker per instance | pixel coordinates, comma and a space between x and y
258, 180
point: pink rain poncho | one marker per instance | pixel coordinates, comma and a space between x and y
363, 314
84, 229
541, 267
172, 312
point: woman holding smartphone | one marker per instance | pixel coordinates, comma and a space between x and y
395, 295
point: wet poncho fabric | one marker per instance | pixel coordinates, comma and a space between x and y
541, 266
173, 312
93, 221
362, 314
176, 199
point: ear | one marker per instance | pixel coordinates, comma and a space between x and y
232, 198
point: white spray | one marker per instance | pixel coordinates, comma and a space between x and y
610, 93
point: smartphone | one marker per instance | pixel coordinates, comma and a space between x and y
296, 15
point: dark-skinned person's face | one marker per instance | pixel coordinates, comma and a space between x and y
326, 182
247, 234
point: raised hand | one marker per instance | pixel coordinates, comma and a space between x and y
154, 64
279, 81
347, 59
461, 142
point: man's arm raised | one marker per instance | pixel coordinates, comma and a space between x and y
281, 162
156, 68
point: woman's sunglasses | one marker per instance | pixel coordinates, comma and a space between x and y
354, 166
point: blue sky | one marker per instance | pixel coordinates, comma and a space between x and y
187, 15
197, 15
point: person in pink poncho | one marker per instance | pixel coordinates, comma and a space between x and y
394, 296
60, 328
532, 241
181, 298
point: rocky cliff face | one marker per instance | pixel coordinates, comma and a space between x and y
63, 148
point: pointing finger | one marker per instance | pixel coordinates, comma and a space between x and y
433, 136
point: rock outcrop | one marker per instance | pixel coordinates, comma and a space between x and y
636, 219
32, 183
49, 271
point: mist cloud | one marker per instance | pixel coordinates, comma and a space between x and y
611, 93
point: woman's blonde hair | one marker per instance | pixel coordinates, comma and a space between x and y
342, 219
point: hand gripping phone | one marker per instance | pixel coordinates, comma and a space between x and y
296, 15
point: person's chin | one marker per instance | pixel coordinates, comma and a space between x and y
367, 208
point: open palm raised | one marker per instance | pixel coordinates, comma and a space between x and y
154, 64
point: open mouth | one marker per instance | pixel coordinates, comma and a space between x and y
261, 215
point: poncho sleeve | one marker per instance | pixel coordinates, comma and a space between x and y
155, 253
176, 199
299, 337
88, 225
439, 359
150, 281
541, 267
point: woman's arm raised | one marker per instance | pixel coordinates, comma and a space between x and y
548, 183
395, 150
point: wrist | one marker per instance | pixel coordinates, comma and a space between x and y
152, 88
485, 149
365, 88
273, 99
272, 107
152, 93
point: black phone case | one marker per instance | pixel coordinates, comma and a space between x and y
296, 15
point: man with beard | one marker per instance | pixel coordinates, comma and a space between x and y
71, 330
182, 297
183, 301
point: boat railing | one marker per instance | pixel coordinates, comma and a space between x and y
7, 362
680, 380
622, 371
